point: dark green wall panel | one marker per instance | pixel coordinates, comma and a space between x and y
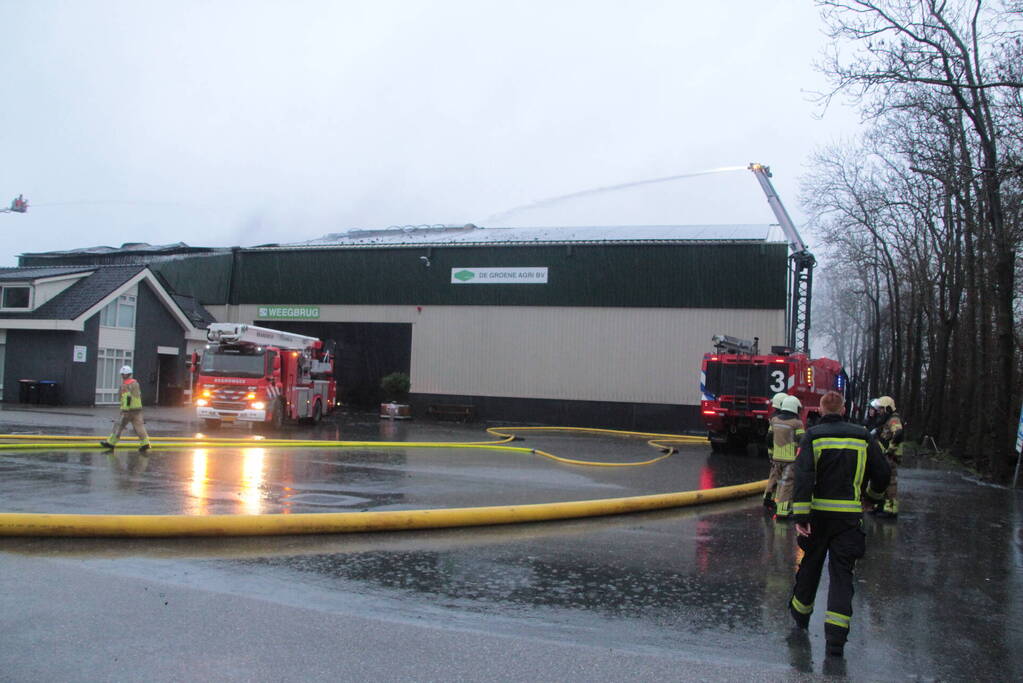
687, 275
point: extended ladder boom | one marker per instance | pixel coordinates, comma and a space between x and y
238, 333
763, 174
803, 263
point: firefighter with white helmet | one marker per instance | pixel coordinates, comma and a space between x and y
131, 412
874, 417
890, 437
787, 430
776, 469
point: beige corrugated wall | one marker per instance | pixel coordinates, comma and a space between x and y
634, 355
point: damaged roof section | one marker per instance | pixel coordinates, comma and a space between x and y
464, 235
129, 252
427, 235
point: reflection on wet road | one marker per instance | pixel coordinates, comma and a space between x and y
257, 480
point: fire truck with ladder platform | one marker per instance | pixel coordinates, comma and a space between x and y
264, 377
737, 381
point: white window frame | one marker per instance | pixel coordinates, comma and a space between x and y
108, 374
31, 292
110, 315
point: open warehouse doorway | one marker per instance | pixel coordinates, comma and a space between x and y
366, 352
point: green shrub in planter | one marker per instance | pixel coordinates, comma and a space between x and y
396, 386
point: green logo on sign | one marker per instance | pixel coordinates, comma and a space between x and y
465, 275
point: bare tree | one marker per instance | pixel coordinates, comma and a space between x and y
927, 206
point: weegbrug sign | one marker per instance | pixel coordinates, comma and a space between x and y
289, 312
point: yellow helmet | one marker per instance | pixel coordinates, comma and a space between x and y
886, 402
777, 399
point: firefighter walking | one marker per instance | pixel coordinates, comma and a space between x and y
776, 468
890, 436
837, 461
131, 412
787, 431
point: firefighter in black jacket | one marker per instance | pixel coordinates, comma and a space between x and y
837, 463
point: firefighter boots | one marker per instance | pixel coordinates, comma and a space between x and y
801, 618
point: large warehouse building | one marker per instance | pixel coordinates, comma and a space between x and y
583, 326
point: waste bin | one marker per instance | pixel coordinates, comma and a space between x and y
28, 391
48, 392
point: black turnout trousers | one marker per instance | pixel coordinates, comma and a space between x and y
841, 539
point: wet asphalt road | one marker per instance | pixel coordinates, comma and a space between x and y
695, 593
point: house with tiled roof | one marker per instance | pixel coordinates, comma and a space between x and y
65, 331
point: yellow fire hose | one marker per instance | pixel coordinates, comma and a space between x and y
67, 525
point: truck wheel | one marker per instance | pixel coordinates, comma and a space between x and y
272, 426
277, 417
211, 425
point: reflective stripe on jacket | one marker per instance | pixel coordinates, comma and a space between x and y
837, 461
131, 395
787, 431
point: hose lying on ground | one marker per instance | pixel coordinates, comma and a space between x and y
42, 524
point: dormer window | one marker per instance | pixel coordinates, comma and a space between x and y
16, 297
119, 313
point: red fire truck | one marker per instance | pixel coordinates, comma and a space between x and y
263, 376
737, 383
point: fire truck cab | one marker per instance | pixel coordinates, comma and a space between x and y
737, 383
264, 377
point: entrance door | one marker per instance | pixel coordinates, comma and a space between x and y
366, 352
169, 390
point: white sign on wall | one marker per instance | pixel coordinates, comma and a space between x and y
499, 276
81, 354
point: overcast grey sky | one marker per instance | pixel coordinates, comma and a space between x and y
242, 123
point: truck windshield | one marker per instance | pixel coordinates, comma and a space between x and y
737, 379
233, 363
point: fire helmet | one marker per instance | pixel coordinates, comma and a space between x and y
126, 370
777, 399
886, 402
791, 404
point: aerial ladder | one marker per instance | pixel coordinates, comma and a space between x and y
237, 333
801, 265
